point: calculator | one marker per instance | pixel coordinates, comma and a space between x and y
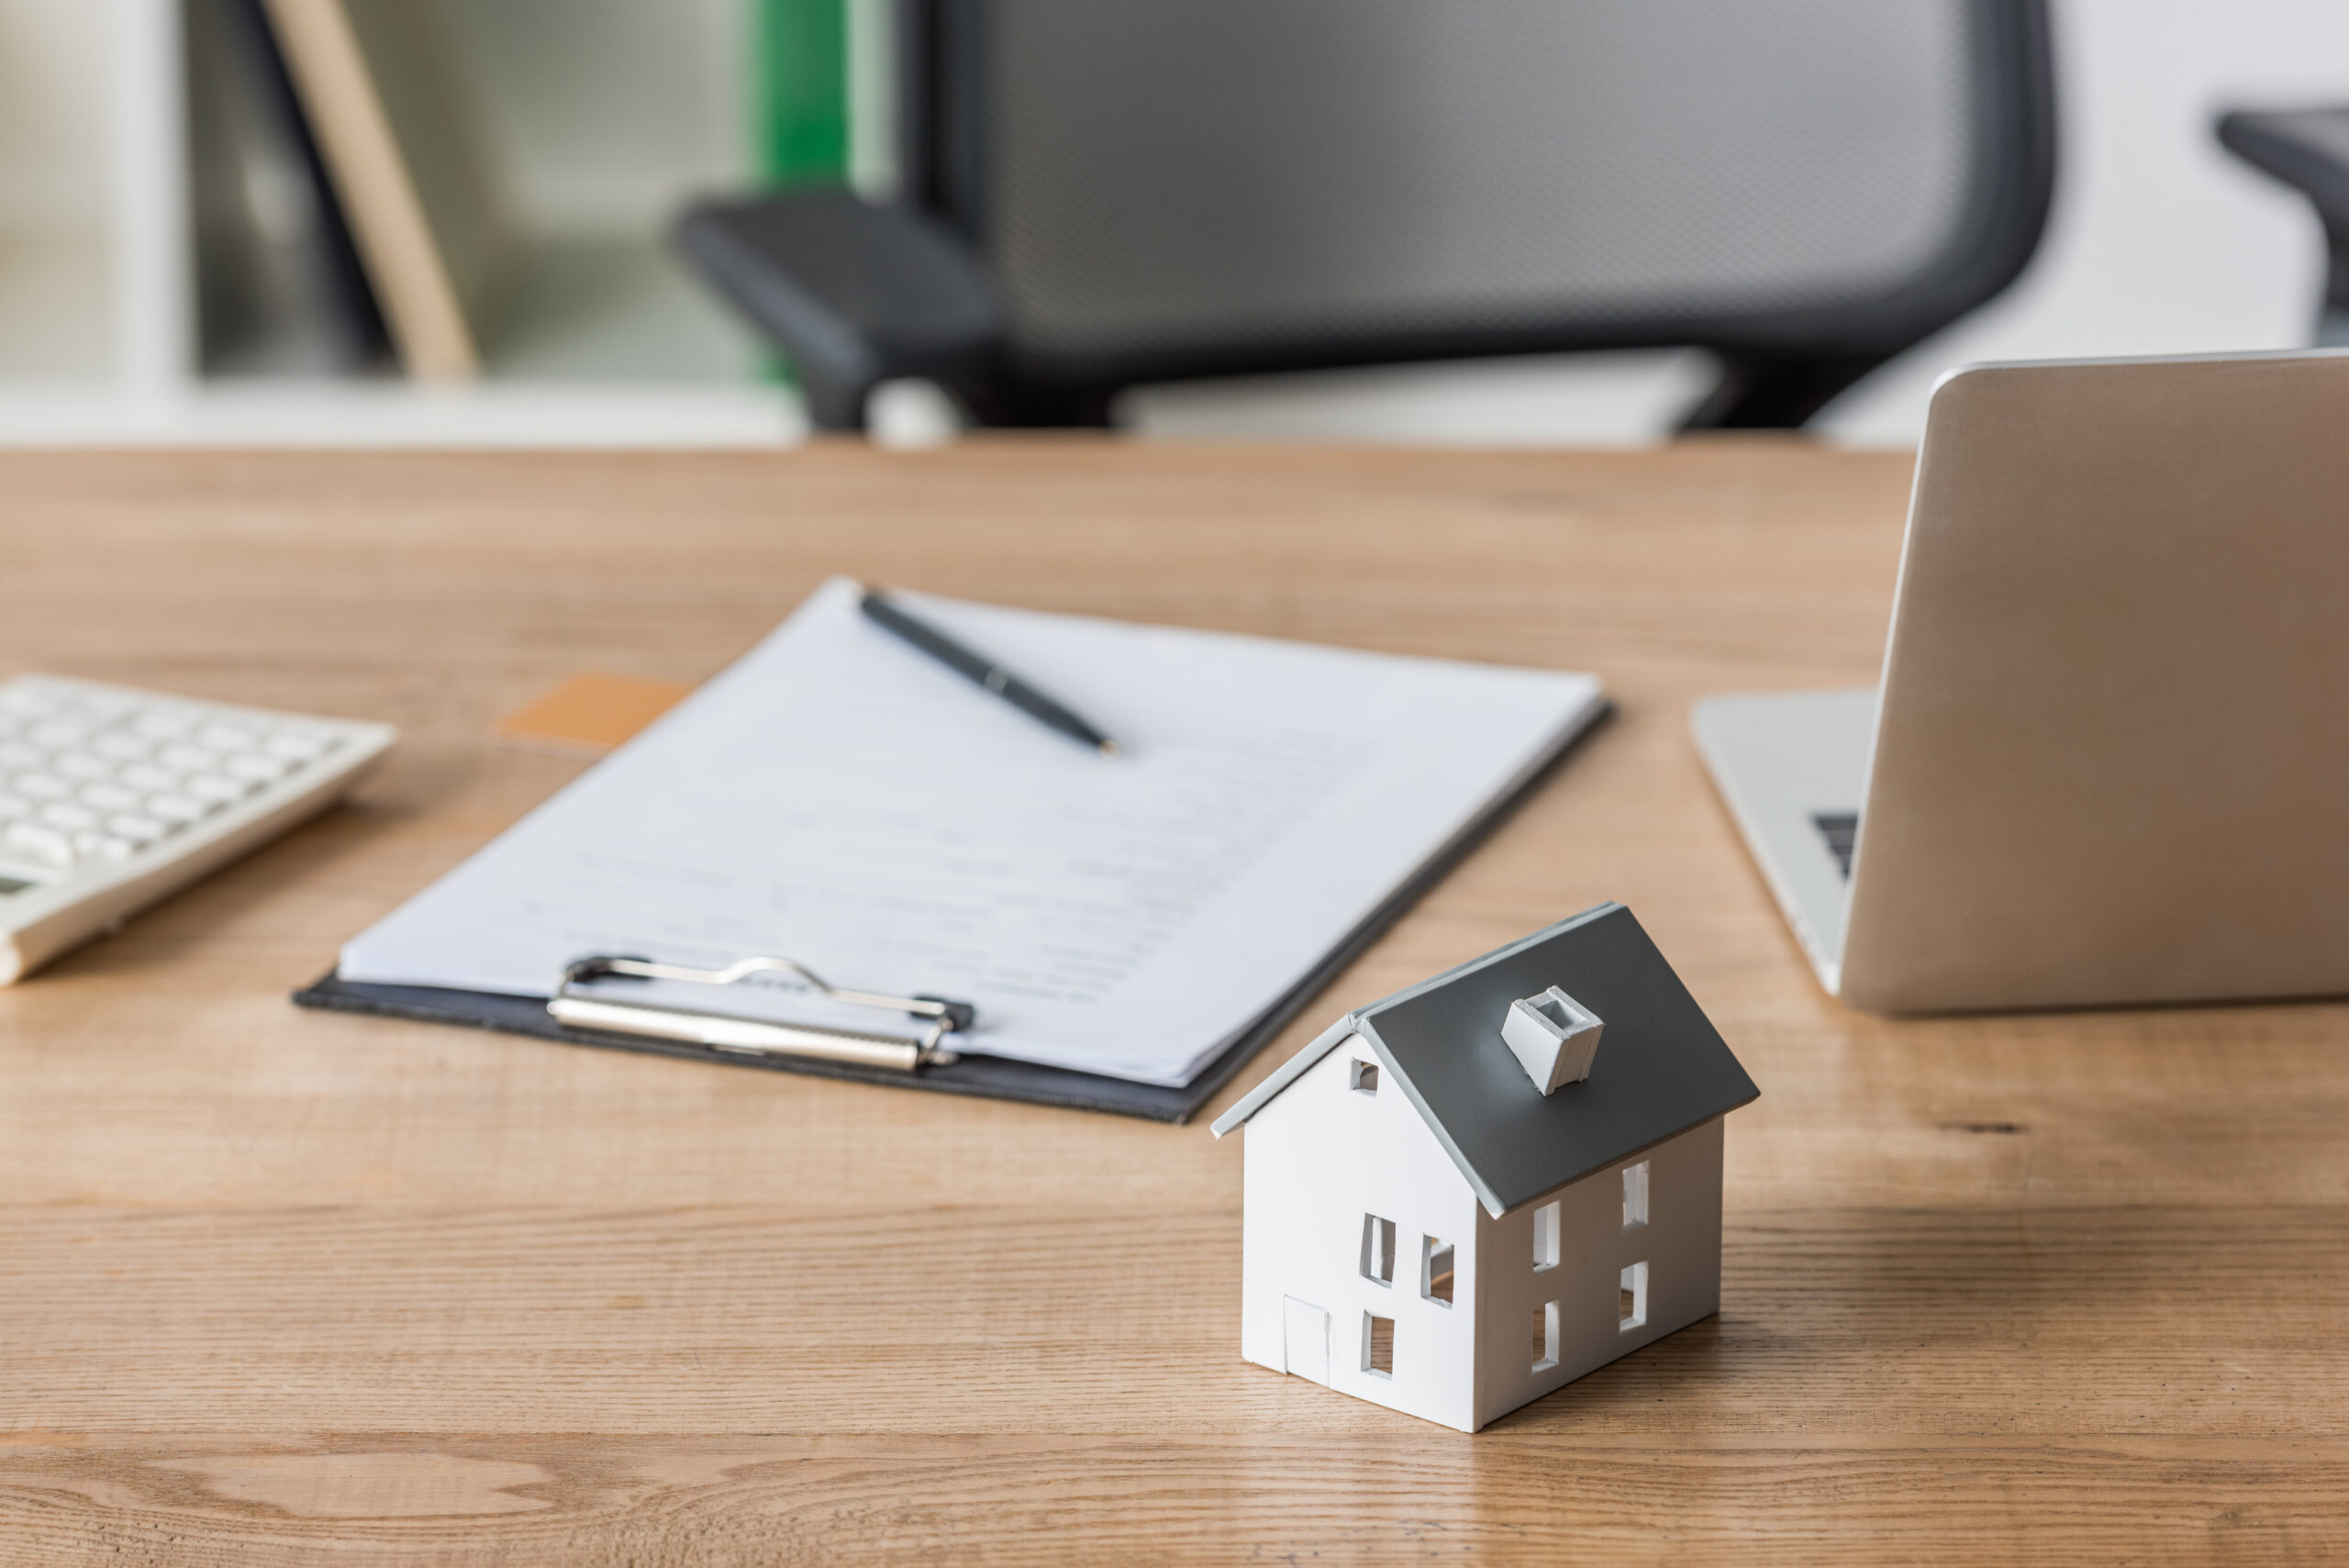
112, 798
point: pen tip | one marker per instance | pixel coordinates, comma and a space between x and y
1109, 748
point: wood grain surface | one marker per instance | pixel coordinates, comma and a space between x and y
281, 1287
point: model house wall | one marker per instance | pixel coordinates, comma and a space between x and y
1613, 1286
1320, 1158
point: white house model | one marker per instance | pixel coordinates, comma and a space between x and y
1478, 1190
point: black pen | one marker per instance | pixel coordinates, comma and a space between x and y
982, 669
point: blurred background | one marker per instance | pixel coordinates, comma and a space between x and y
191, 249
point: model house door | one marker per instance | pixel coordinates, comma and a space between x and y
1306, 1344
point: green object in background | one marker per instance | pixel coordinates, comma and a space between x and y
799, 92
798, 101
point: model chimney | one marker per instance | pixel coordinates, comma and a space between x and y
1554, 1037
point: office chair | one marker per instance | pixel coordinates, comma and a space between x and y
2309, 151
1100, 194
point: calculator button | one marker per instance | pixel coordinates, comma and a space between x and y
138, 830
42, 843
257, 767
146, 775
122, 747
42, 786
227, 738
296, 747
165, 723
109, 796
80, 765
18, 754
31, 702
104, 846
13, 807
188, 758
177, 809
67, 816
213, 788
58, 732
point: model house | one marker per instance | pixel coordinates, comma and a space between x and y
1478, 1190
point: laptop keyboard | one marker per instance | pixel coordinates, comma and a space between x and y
1842, 831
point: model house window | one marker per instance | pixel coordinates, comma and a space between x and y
1377, 1249
1545, 1236
1378, 1345
1435, 1273
1635, 1195
1361, 1077
1545, 1335
1632, 1298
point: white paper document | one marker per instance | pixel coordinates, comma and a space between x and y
839, 799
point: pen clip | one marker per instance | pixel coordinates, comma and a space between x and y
755, 1037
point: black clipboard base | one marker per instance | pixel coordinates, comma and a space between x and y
988, 1076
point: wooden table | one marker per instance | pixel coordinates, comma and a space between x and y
283, 1286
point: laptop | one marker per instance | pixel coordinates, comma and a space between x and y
2107, 760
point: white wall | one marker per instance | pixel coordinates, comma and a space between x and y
1317, 1159
56, 279
53, 131
603, 110
2159, 242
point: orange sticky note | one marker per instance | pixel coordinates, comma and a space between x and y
589, 714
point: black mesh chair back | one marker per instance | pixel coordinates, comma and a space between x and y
1148, 189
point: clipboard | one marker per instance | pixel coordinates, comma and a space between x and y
968, 1073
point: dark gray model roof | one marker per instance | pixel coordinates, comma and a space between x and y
1661, 1067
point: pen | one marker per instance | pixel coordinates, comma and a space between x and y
982, 669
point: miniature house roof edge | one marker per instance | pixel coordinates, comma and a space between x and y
1356, 1022
1459, 1158
1486, 960
1287, 1073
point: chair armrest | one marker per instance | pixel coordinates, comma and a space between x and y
2309, 151
854, 293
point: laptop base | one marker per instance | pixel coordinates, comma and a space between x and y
1792, 767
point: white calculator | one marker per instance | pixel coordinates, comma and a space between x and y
112, 798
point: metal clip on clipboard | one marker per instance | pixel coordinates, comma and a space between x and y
756, 1036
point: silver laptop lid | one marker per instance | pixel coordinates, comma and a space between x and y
2112, 761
